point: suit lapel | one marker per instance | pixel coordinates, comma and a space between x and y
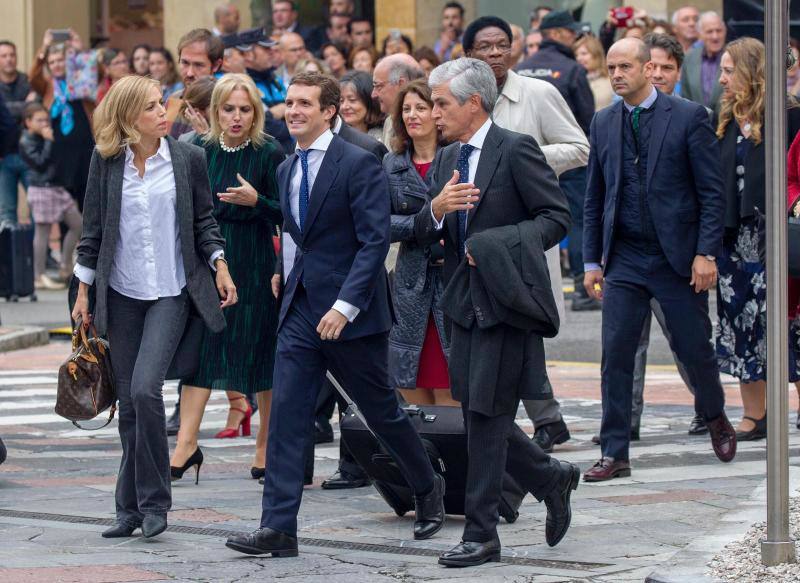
662, 115
487, 164
322, 183
286, 191
115, 175
615, 142
183, 199
450, 219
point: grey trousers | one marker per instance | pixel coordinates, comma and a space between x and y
640, 365
549, 410
143, 336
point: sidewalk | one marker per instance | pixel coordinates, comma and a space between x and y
668, 519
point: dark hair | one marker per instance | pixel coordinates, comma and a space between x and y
667, 44
172, 76
198, 94
335, 44
455, 5
477, 25
214, 47
31, 108
427, 53
144, 46
361, 82
109, 55
358, 19
402, 141
292, 2
403, 38
8, 43
329, 92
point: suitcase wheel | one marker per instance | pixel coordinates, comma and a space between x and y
13, 299
34, 298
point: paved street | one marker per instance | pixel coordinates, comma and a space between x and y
56, 497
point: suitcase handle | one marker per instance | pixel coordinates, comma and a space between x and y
413, 410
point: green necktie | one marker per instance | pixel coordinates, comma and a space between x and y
636, 112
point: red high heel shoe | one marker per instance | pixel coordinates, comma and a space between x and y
244, 424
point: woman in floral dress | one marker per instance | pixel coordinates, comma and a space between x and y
741, 288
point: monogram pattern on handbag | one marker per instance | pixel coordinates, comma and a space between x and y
85, 381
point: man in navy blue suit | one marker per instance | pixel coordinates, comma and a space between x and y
653, 225
336, 315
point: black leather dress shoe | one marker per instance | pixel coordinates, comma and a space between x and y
154, 524
559, 511
264, 541
119, 530
342, 480
698, 426
174, 421
471, 554
323, 432
430, 510
551, 435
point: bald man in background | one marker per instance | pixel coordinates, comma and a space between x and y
390, 75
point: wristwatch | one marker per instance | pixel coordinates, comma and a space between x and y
710, 257
221, 257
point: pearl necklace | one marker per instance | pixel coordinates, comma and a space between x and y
230, 149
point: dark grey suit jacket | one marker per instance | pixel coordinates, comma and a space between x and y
199, 232
692, 84
363, 141
516, 185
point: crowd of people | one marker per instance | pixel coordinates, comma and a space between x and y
319, 159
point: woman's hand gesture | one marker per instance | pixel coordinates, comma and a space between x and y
244, 195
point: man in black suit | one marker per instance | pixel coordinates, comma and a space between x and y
491, 177
335, 315
285, 19
653, 225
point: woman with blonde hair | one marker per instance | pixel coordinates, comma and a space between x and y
149, 245
242, 161
741, 285
589, 53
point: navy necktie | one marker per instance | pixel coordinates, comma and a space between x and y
304, 190
463, 176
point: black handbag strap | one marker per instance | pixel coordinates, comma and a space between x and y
110, 419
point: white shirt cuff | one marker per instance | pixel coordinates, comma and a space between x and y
439, 224
83, 273
349, 311
591, 267
214, 257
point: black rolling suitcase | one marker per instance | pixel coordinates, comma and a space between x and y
442, 432
16, 265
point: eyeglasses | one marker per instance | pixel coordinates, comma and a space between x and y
486, 48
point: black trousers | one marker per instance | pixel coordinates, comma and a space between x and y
143, 336
496, 445
635, 275
361, 365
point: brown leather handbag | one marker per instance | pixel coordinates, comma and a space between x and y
86, 381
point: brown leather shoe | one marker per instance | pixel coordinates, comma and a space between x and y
607, 469
723, 437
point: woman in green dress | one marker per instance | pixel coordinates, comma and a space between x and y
242, 161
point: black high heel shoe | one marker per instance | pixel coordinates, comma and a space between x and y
756, 433
257, 473
196, 459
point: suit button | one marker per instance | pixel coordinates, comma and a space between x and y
404, 206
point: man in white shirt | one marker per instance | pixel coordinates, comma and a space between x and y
534, 107
335, 315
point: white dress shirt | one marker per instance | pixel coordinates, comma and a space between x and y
148, 263
316, 153
475, 141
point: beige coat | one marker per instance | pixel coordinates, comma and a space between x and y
535, 107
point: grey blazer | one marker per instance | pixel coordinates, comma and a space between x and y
199, 233
692, 84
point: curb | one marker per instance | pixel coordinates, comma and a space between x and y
690, 564
19, 337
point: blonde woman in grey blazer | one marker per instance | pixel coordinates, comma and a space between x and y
149, 246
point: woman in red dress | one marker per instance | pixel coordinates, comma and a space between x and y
417, 342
